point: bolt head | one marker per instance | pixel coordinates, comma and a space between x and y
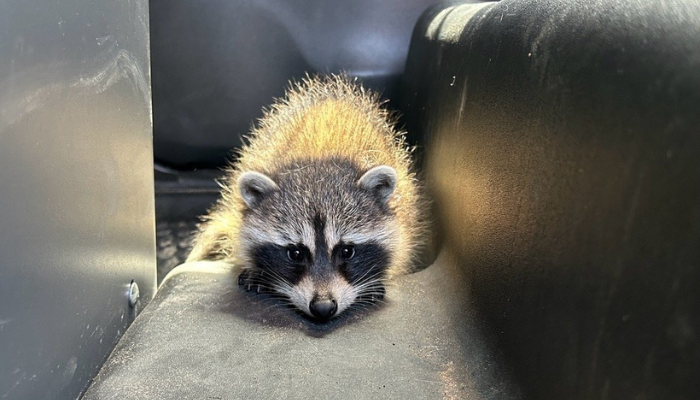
133, 294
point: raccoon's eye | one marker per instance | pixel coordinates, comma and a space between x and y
295, 254
347, 252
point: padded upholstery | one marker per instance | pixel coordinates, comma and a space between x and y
203, 337
564, 153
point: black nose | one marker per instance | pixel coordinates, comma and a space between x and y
323, 309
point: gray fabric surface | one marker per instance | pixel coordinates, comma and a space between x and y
204, 338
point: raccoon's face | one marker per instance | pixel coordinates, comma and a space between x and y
319, 234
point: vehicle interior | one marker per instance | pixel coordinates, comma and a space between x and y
558, 142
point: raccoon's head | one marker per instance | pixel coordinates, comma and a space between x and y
320, 234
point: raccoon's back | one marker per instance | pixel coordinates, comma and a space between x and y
323, 118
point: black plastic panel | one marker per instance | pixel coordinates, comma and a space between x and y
216, 63
76, 188
564, 151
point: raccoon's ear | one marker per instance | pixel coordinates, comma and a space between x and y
254, 187
380, 181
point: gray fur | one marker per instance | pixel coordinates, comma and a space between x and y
328, 188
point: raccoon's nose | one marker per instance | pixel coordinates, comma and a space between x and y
323, 309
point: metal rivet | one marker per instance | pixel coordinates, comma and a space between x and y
133, 294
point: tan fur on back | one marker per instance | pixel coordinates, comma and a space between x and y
319, 118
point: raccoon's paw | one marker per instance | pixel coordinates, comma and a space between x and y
253, 281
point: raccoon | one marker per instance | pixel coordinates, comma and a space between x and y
322, 206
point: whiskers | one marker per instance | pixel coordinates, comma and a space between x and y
369, 290
365, 292
268, 282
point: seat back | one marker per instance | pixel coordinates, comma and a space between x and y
564, 153
217, 63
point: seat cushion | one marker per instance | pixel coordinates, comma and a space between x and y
204, 337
